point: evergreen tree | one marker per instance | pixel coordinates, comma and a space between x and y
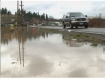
5, 11
2, 11
38, 16
46, 17
34, 14
9, 12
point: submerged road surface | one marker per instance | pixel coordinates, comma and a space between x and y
88, 30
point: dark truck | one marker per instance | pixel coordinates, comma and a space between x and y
76, 19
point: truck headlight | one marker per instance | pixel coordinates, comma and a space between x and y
73, 20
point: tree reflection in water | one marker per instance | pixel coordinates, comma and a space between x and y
21, 35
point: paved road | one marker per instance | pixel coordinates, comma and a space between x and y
88, 30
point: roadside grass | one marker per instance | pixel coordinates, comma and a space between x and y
97, 22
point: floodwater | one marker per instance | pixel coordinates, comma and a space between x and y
34, 53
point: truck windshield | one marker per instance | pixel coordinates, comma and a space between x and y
76, 14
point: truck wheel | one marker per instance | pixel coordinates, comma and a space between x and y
71, 26
64, 26
76, 27
86, 26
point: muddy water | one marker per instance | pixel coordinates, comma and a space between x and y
34, 53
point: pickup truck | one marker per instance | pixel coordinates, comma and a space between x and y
76, 19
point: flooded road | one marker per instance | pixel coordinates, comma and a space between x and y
35, 53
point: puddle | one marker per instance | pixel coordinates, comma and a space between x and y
46, 54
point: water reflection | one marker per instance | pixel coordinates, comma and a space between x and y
17, 36
24, 34
7, 37
38, 66
45, 54
80, 72
21, 54
71, 42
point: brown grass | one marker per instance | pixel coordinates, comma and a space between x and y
97, 22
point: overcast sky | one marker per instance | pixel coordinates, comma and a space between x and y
58, 8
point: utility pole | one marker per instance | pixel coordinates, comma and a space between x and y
17, 11
21, 12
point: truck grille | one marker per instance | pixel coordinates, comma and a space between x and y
81, 19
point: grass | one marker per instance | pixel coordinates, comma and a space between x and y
94, 44
97, 22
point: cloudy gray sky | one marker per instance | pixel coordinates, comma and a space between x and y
58, 8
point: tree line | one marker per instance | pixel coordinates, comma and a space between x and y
26, 15
5, 11
29, 15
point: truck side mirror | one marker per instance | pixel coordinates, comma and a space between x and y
85, 15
